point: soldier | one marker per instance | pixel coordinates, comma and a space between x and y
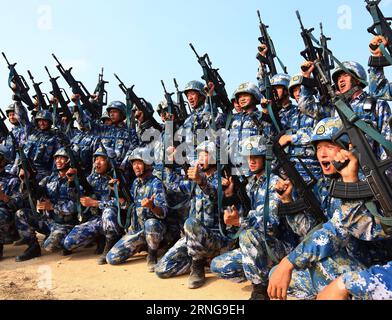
202, 240
59, 204
374, 283
19, 134
148, 211
297, 128
369, 109
252, 261
204, 117
247, 123
146, 132
178, 203
42, 143
102, 215
10, 201
105, 119
116, 136
350, 240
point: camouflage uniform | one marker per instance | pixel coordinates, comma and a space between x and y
59, 222
375, 112
252, 260
147, 231
374, 283
101, 221
299, 126
40, 146
200, 119
116, 137
84, 145
9, 184
350, 240
202, 239
246, 124
379, 87
19, 132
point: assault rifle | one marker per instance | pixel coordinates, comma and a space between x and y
312, 53
183, 114
57, 93
326, 57
78, 88
39, 96
212, 75
21, 88
130, 114
381, 26
101, 92
307, 201
138, 102
265, 39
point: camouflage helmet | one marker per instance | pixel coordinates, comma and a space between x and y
5, 153
209, 147
104, 152
281, 79
254, 146
250, 88
12, 106
295, 81
117, 105
44, 115
326, 129
105, 116
353, 67
143, 154
61, 153
162, 105
196, 86
147, 105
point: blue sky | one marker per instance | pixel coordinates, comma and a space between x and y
146, 41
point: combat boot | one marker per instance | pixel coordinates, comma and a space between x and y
110, 242
152, 259
33, 251
101, 240
197, 277
66, 252
259, 292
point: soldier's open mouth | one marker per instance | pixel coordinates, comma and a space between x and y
326, 165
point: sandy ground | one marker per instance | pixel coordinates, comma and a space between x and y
78, 277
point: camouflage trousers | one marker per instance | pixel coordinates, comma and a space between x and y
27, 224
306, 284
251, 261
198, 243
85, 233
150, 237
7, 224
374, 283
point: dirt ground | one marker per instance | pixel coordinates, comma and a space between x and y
78, 277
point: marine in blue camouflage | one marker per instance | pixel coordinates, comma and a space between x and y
202, 240
101, 212
148, 211
59, 216
350, 240
259, 245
